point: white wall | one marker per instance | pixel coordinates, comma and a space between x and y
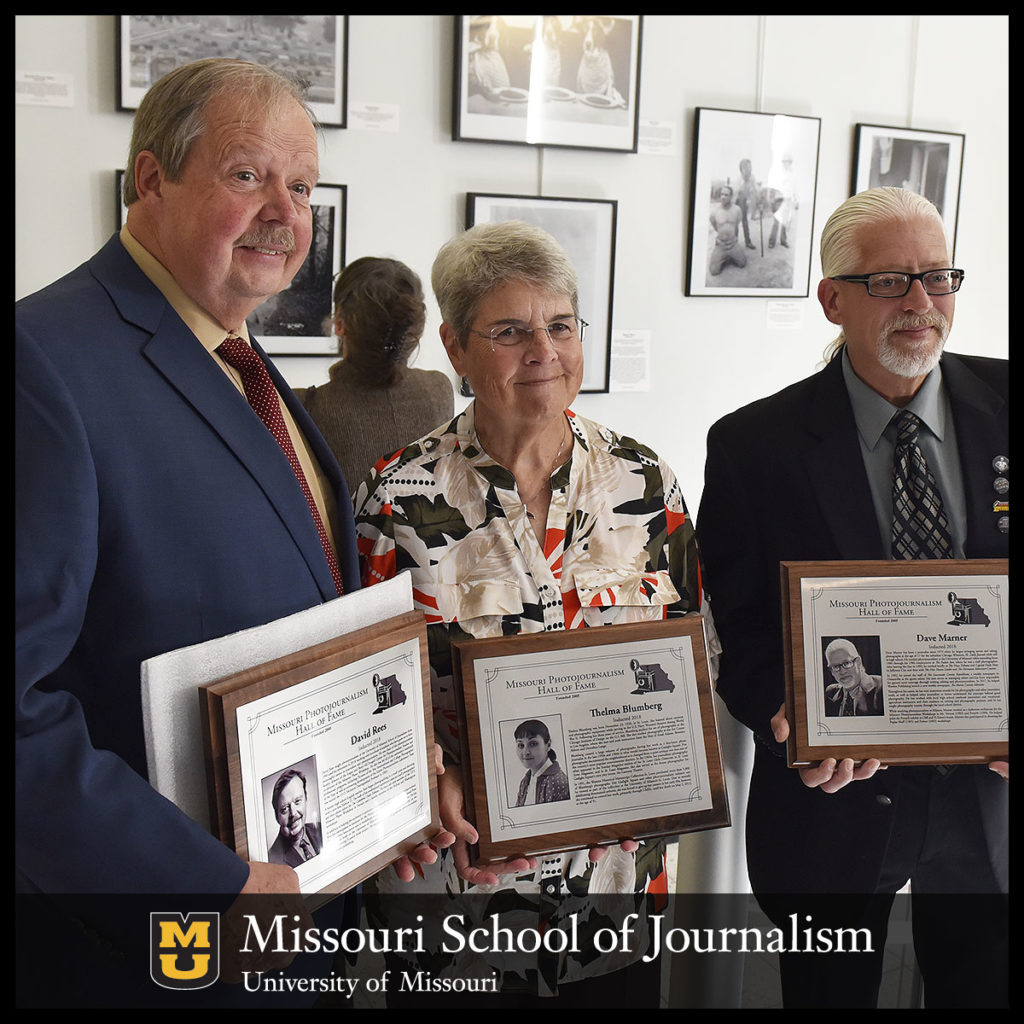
406, 195
406, 189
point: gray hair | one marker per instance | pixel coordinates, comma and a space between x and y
172, 114
840, 644
488, 256
840, 252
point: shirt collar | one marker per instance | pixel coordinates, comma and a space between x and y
472, 449
209, 332
873, 413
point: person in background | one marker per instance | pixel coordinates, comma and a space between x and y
746, 199
374, 403
726, 219
786, 202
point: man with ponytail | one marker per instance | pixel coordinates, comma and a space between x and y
817, 463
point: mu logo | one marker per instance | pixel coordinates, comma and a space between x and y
184, 950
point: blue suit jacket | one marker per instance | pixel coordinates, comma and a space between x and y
785, 480
154, 510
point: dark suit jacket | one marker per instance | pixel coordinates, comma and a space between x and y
281, 852
785, 481
154, 511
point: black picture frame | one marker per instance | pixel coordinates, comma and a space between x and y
760, 243
926, 162
297, 321
585, 228
562, 80
312, 47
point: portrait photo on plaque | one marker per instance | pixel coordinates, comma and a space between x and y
852, 673
904, 661
291, 803
535, 752
585, 737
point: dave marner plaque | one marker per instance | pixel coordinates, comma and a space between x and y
902, 661
589, 736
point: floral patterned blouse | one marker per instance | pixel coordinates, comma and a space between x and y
619, 547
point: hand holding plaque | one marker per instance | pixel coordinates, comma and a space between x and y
829, 775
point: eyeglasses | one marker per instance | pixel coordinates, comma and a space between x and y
890, 284
561, 333
843, 666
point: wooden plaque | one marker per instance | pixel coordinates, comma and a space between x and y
348, 722
628, 712
905, 661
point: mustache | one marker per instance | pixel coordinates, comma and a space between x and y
281, 239
911, 321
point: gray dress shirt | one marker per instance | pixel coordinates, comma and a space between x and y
877, 434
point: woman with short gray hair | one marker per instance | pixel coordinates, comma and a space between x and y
521, 516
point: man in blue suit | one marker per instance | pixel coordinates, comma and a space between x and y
155, 509
807, 475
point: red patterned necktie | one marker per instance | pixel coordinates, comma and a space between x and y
263, 397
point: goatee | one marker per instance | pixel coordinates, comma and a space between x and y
917, 360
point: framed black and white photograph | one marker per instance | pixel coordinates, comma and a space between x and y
297, 321
548, 79
294, 820
311, 47
928, 163
585, 228
752, 203
531, 770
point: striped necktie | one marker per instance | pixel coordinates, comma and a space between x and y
920, 528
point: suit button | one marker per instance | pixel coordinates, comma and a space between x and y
882, 799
